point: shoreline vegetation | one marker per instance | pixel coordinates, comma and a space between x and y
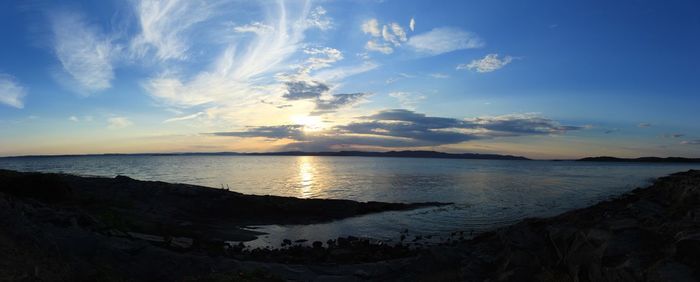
388, 154
58, 227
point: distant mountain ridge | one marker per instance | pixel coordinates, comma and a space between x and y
396, 154
389, 154
641, 160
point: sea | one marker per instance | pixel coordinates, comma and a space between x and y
485, 194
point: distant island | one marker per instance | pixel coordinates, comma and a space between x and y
389, 154
641, 160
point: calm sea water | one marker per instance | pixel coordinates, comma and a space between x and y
485, 193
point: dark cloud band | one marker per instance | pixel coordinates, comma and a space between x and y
405, 128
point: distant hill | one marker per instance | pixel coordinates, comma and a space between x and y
395, 154
641, 160
390, 154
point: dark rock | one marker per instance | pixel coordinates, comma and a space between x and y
113, 230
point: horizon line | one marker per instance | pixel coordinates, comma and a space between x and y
316, 154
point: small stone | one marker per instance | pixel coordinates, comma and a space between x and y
361, 273
147, 237
181, 242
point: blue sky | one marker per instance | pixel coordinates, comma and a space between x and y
544, 79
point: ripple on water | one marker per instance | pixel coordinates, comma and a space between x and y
487, 193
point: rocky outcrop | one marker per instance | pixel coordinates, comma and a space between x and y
649, 234
179, 210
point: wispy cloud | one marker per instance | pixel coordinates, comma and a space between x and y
691, 142
320, 58
119, 122
489, 63
318, 19
377, 46
85, 53
394, 33
384, 39
445, 39
187, 117
254, 27
11, 92
644, 125
340, 73
439, 75
408, 100
238, 79
398, 77
412, 24
164, 24
371, 27
79, 119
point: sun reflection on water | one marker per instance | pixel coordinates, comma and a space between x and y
306, 176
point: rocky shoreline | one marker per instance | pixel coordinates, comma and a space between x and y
67, 228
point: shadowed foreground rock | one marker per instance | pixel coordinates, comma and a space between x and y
154, 207
649, 234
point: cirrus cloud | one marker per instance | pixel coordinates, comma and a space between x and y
164, 24
119, 122
445, 39
239, 77
11, 92
85, 53
691, 142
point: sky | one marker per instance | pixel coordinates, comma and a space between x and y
542, 79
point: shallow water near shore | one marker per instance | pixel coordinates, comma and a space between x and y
486, 193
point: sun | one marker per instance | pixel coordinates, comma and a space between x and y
310, 123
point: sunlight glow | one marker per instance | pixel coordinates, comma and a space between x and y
310, 123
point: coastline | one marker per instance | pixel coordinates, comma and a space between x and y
154, 206
649, 233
